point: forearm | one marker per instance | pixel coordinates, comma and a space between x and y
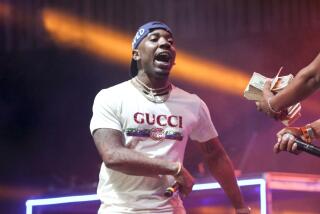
116, 156
222, 169
306, 82
135, 163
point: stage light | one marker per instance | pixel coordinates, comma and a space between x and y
197, 187
59, 200
248, 182
209, 74
100, 40
115, 46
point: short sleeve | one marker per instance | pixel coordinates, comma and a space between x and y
204, 129
105, 112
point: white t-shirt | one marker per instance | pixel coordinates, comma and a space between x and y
159, 130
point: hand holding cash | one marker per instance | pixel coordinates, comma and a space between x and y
255, 87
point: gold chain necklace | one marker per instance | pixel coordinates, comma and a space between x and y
156, 95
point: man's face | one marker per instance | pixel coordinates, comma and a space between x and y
157, 53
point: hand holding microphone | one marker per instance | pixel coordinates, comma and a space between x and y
172, 189
293, 139
184, 182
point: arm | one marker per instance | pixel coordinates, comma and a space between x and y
221, 168
109, 143
305, 83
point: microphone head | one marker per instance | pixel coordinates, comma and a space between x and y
169, 192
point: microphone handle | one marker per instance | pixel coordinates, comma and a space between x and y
306, 147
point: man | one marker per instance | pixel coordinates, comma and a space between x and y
305, 83
140, 128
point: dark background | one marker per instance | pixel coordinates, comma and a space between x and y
47, 88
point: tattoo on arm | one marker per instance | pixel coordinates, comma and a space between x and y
208, 147
212, 148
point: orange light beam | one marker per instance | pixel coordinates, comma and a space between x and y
209, 74
102, 41
116, 46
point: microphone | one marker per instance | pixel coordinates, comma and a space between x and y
172, 189
306, 147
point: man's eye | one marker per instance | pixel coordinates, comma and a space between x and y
171, 42
153, 39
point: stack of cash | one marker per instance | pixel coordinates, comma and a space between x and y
255, 86
254, 89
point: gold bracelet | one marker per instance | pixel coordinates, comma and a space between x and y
179, 169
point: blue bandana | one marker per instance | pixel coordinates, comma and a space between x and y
142, 32
145, 29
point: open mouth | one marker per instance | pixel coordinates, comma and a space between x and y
163, 59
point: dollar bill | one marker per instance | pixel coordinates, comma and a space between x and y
255, 87
282, 82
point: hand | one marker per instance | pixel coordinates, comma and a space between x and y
264, 106
185, 180
286, 139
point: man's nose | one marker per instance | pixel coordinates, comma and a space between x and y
164, 43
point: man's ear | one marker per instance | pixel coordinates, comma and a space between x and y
135, 55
